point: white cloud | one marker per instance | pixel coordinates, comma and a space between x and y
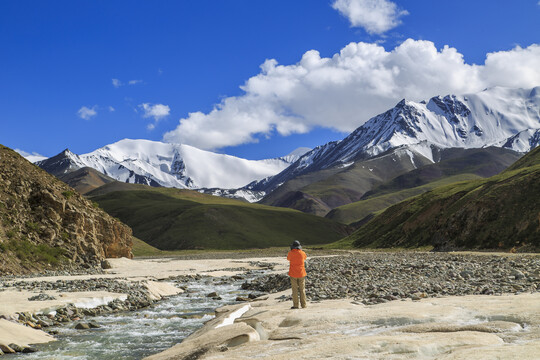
155, 111
375, 16
117, 83
344, 91
111, 109
86, 113
32, 157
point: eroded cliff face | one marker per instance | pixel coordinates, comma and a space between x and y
45, 224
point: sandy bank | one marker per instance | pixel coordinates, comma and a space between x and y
21, 335
467, 327
162, 268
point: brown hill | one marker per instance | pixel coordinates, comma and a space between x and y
45, 224
85, 179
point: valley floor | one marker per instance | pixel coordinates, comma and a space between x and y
423, 325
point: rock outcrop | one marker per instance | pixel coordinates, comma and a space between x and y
45, 224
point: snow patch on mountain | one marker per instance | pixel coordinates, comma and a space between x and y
173, 165
498, 116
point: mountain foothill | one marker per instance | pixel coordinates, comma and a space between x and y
452, 172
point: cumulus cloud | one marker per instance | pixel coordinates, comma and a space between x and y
87, 113
344, 91
155, 111
32, 157
111, 109
116, 83
375, 16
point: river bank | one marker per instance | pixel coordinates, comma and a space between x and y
31, 305
351, 286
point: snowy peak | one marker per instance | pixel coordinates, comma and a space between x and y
295, 154
63, 163
161, 164
501, 117
469, 121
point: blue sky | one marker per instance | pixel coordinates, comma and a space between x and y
250, 78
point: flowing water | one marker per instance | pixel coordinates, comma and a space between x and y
134, 335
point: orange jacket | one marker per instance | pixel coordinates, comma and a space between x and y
296, 259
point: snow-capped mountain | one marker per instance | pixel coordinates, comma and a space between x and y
170, 165
500, 117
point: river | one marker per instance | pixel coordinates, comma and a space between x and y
137, 334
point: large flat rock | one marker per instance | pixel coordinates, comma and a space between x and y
467, 327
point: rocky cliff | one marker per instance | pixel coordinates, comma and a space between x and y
45, 224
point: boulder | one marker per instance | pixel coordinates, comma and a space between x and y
6, 349
82, 326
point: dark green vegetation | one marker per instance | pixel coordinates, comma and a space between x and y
455, 165
171, 219
26, 251
357, 211
140, 248
500, 212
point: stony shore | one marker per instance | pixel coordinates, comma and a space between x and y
374, 278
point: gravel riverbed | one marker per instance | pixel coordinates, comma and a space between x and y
373, 278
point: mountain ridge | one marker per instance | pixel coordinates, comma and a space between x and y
502, 117
171, 165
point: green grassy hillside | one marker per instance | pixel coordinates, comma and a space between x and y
171, 219
455, 165
500, 212
351, 213
484, 163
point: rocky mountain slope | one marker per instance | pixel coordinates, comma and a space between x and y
45, 224
320, 191
502, 117
85, 179
500, 212
454, 165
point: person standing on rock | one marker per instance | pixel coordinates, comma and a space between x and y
297, 273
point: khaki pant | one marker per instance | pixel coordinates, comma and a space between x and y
298, 291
